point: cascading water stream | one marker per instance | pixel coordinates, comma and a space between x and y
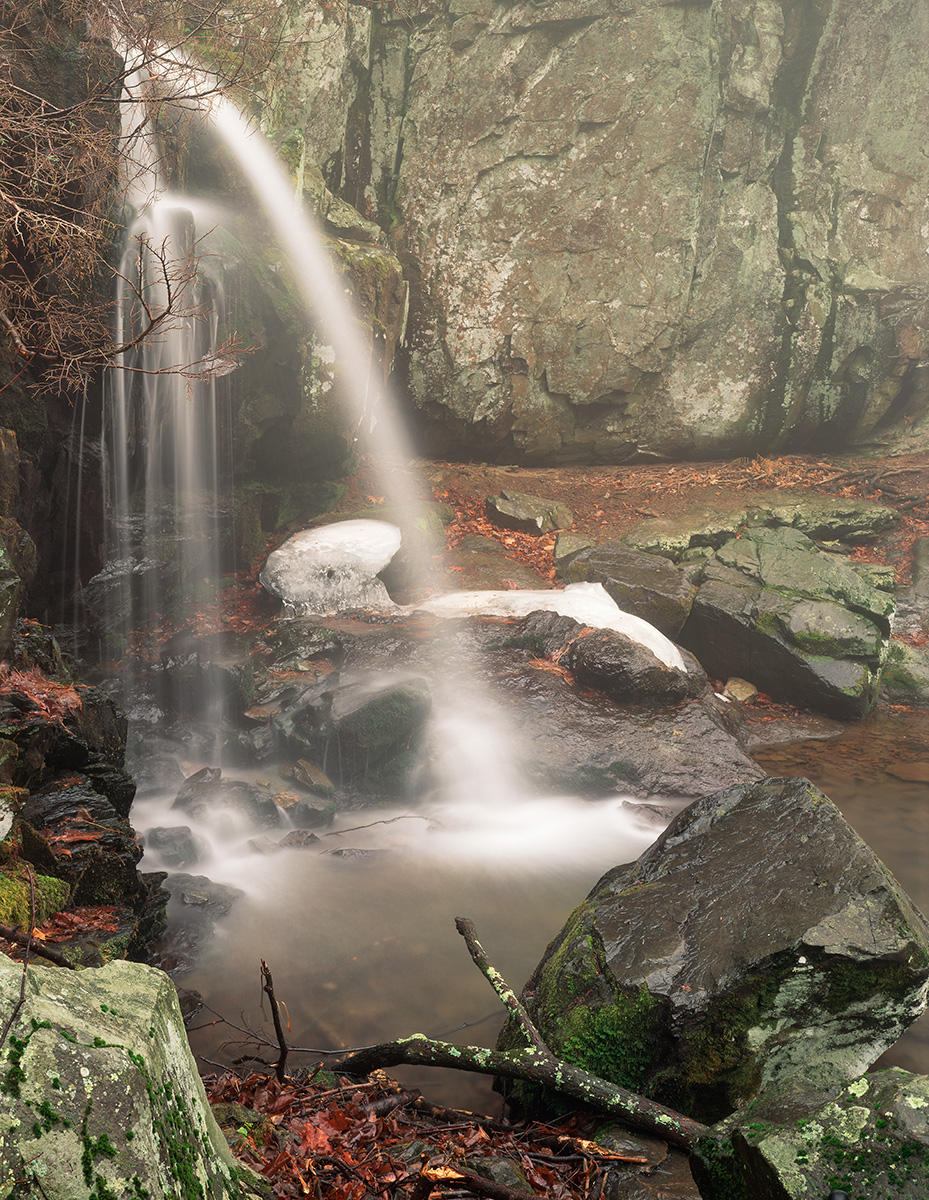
481, 836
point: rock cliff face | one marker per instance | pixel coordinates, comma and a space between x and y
641, 228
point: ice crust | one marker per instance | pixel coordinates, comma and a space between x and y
333, 568
588, 603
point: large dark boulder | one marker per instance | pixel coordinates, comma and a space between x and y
756, 951
646, 585
805, 626
359, 731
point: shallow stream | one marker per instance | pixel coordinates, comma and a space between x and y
363, 946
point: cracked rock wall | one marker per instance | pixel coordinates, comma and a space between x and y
636, 228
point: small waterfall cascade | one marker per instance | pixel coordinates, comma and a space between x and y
165, 423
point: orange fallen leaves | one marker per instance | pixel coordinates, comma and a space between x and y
50, 697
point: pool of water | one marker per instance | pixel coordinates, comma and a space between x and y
359, 928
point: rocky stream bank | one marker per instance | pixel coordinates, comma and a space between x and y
774, 959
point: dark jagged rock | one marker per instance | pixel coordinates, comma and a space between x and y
630, 673
358, 731
802, 625
93, 847
757, 951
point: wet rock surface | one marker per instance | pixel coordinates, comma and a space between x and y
757, 951
644, 584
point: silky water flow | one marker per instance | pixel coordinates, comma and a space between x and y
362, 947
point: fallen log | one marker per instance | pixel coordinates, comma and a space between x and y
534, 1063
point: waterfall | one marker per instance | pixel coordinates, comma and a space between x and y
165, 443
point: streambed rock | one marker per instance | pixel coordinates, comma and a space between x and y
756, 951
805, 626
102, 1092
531, 514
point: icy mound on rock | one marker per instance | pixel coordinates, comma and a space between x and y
327, 570
588, 603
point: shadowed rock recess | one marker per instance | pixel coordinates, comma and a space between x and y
681, 229
757, 951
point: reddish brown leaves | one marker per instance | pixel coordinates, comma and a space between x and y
357, 1140
89, 919
51, 698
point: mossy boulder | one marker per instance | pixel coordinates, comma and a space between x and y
100, 1096
823, 518
871, 1141
757, 951
905, 677
800, 624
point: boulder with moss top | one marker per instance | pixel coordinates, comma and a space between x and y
100, 1095
804, 626
757, 951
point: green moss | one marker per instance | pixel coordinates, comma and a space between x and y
51, 895
617, 1042
854, 983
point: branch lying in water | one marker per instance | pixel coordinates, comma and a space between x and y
534, 1063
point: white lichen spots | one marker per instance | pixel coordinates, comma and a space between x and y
912, 1101
858, 1088
84, 1072
802, 961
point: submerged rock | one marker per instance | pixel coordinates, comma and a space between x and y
204, 795
756, 951
333, 568
802, 625
102, 1091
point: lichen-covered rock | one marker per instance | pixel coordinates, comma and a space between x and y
800, 624
644, 584
664, 228
872, 1140
905, 677
100, 1094
757, 950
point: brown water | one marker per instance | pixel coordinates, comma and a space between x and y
877, 773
